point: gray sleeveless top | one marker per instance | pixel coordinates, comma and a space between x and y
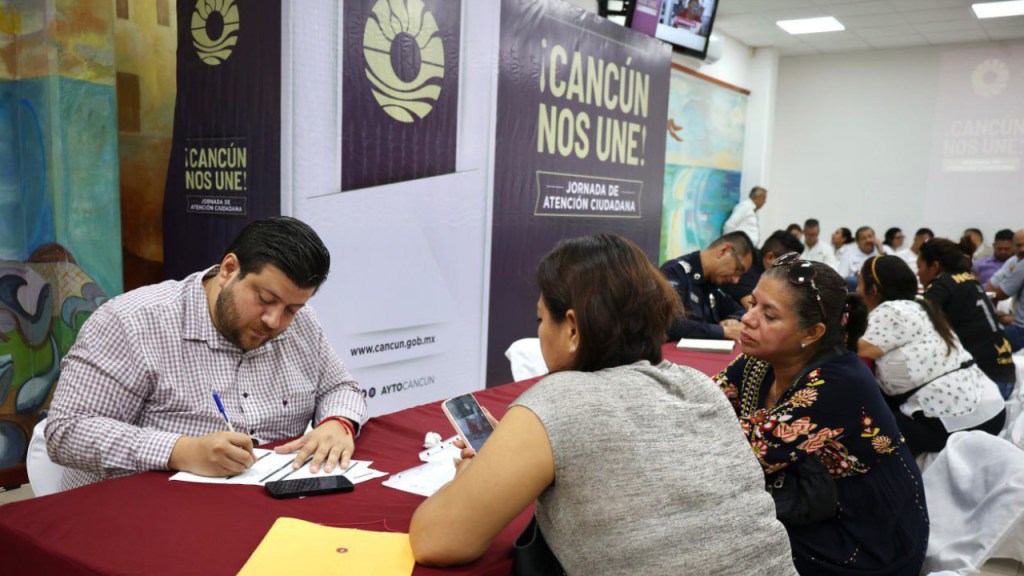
652, 476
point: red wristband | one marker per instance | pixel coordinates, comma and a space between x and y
345, 423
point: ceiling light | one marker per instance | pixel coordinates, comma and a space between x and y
998, 9
810, 25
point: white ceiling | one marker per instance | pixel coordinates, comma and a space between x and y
870, 24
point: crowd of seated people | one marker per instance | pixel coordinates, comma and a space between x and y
934, 359
796, 441
854, 361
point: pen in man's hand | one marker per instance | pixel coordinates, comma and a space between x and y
220, 406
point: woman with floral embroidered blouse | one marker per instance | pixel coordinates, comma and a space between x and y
806, 402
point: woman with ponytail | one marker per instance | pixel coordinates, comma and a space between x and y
944, 269
816, 421
932, 384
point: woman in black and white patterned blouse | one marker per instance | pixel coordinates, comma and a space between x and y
932, 384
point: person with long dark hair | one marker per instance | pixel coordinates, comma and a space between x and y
817, 422
932, 384
637, 465
945, 271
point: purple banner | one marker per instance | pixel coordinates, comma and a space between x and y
225, 165
582, 110
645, 16
400, 92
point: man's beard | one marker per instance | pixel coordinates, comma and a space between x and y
227, 320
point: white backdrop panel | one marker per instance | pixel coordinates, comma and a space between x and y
404, 304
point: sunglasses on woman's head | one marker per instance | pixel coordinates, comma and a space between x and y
801, 273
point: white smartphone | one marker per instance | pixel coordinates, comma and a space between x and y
468, 419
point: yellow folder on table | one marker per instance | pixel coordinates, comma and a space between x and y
295, 546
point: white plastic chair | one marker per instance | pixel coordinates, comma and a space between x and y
43, 474
975, 494
1013, 430
526, 358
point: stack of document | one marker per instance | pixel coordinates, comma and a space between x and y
270, 467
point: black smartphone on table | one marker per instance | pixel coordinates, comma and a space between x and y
309, 486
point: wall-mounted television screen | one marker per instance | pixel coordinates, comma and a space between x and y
686, 24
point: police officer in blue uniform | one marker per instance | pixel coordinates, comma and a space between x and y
710, 313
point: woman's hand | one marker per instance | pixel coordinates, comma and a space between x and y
468, 453
458, 523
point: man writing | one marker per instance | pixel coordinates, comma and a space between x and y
697, 276
744, 215
136, 388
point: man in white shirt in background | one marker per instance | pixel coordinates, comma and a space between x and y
744, 216
814, 249
853, 259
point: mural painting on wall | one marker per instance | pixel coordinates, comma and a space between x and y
43, 304
703, 162
145, 41
59, 217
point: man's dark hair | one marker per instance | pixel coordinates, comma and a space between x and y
926, 231
976, 231
288, 244
757, 190
739, 241
1004, 235
862, 229
890, 235
811, 223
781, 242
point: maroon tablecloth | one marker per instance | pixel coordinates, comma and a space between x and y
144, 524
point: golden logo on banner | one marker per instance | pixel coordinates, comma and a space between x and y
404, 58
214, 30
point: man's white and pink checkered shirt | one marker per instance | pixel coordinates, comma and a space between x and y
144, 368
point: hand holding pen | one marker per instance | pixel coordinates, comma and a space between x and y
218, 454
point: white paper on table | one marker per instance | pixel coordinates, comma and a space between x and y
277, 467
705, 345
443, 451
424, 479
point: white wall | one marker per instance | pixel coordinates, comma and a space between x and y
856, 136
755, 69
